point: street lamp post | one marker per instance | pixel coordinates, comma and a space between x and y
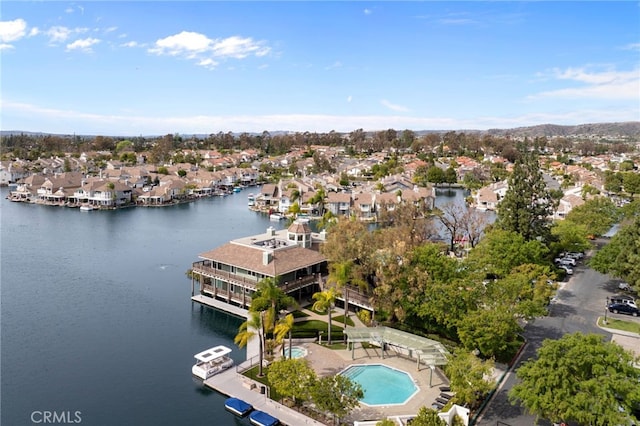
606, 309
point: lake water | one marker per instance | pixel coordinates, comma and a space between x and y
97, 323
96, 312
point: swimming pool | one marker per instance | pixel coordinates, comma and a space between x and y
296, 352
382, 385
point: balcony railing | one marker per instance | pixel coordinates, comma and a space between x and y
250, 283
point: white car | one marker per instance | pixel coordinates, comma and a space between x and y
567, 269
566, 261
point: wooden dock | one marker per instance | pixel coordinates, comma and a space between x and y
233, 384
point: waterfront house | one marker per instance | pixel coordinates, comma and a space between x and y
364, 206
488, 197
231, 272
339, 203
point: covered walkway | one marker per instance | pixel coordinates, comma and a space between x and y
426, 351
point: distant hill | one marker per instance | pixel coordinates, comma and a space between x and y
629, 128
624, 129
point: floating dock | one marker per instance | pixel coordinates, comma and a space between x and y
233, 384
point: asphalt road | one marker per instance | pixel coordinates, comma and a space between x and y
578, 304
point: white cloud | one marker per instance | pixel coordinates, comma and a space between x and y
239, 47
349, 98
131, 44
368, 11
208, 63
186, 43
204, 50
58, 34
394, 107
607, 84
5, 46
83, 44
12, 30
34, 32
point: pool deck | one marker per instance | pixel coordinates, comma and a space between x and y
325, 362
329, 362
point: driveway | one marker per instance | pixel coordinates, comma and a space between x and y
579, 302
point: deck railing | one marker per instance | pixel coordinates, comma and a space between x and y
251, 283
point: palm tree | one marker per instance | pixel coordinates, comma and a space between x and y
270, 298
340, 275
282, 329
324, 301
318, 198
246, 333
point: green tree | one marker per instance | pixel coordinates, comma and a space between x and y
337, 395
283, 328
292, 378
253, 326
270, 298
386, 422
631, 183
597, 215
468, 377
579, 378
450, 176
569, 236
318, 198
427, 417
340, 274
527, 204
492, 331
435, 175
325, 301
500, 251
621, 256
612, 181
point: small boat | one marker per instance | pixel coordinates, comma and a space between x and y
251, 200
211, 362
276, 216
238, 406
85, 208
237, 189
260, 418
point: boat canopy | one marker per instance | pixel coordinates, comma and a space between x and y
212, 353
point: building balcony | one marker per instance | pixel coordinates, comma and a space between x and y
251, 283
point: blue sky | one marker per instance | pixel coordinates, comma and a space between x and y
158, 67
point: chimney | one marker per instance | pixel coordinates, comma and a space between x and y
271, 231
266, 257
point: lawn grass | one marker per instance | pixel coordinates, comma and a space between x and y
299, 314
617, 324
333, 311
340, 320
317, 325
253, 374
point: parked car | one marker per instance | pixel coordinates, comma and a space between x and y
567, 269
625, 300
624, 308
566, 261
575, 254
624, 286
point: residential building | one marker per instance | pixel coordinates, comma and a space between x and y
231, 273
